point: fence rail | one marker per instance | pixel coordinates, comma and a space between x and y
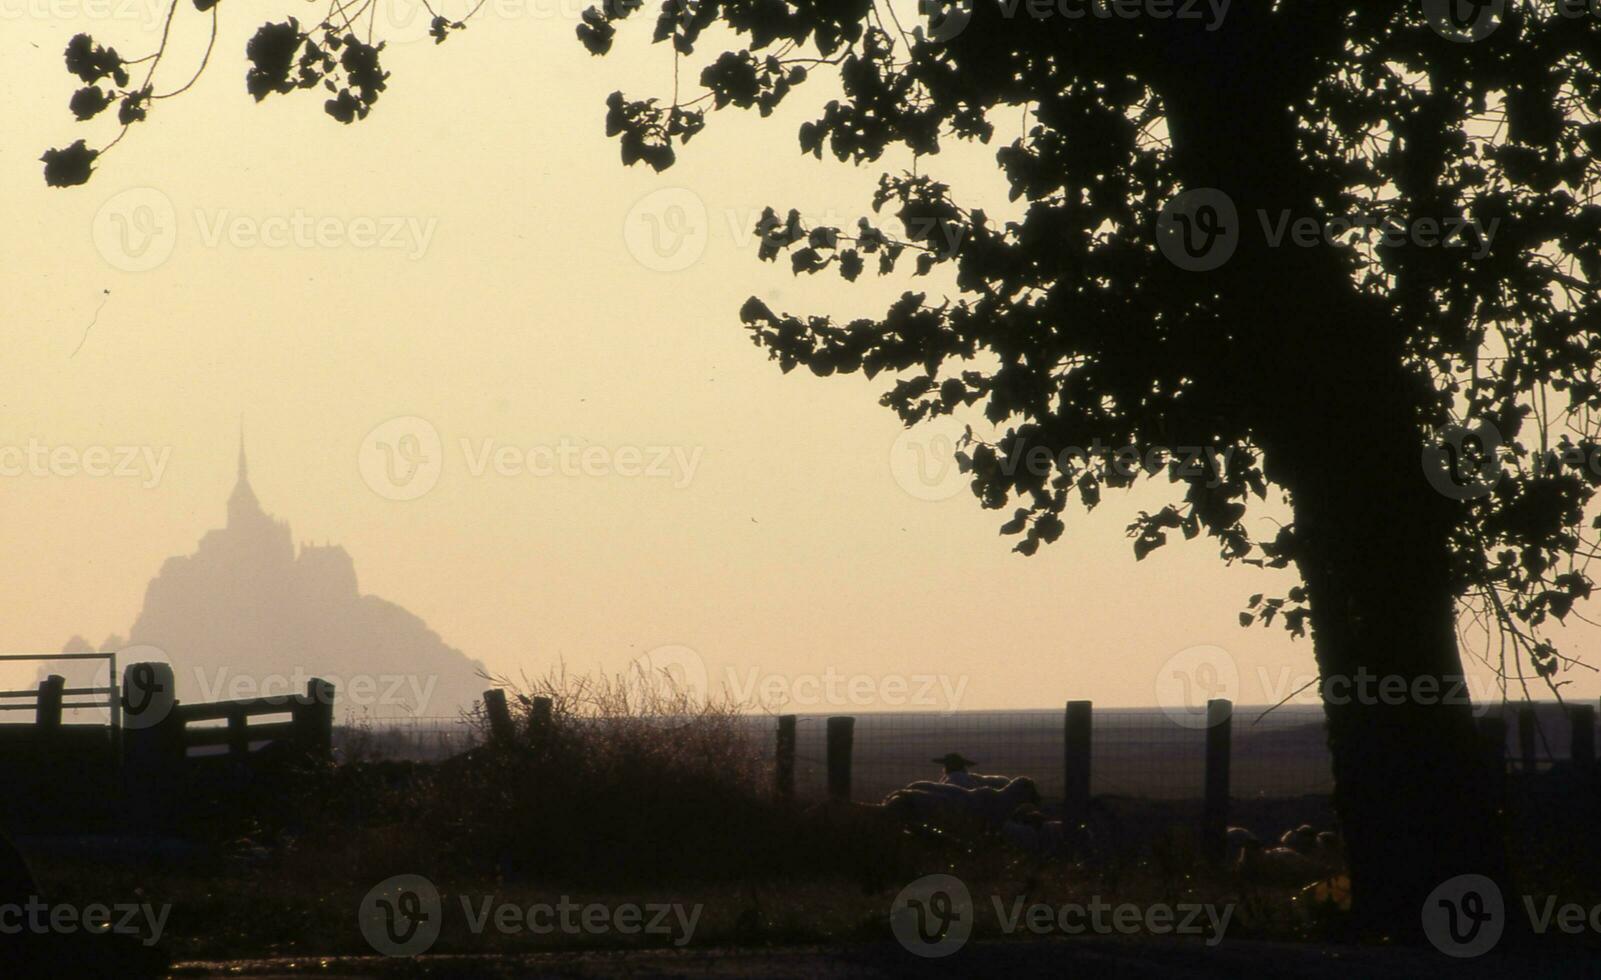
49, 698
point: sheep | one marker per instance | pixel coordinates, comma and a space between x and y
995, 805
947, 790
1329, 852
1235, 841
1028, 830
964, 810
1276, 865
941, 811
1302, 839
956, 773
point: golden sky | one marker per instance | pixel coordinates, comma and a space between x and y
525, 304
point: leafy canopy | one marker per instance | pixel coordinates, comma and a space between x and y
1071, 325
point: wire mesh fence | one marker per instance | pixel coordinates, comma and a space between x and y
1141, 754
414, 739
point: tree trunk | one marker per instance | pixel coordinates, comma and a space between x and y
1412, 789
1320, 369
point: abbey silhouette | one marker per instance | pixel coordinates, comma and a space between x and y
247, 611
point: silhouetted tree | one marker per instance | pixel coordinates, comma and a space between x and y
1141, 295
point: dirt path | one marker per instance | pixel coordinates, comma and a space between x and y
1122, 960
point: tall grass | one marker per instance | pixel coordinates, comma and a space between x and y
634, 780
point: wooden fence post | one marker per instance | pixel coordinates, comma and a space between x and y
1215, 811
1526, 729
152, 745
238, 735
784, 768
500, 730
320, 726
1492, 742
1076, 729
841, 736
1582, 719
313, 714
539, 722
48, 717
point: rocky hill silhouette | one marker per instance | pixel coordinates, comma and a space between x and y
248, 615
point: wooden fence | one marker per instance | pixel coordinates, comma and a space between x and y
157, 750
1215, 808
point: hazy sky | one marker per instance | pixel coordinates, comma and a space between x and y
527, 305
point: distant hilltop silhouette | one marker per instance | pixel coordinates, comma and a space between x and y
248, 616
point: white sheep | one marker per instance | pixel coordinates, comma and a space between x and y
954, 808
1277, 865
1302, 839
1028, 830
956, 773
1235, 841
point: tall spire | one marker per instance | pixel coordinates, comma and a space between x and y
244, 467
242, 503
